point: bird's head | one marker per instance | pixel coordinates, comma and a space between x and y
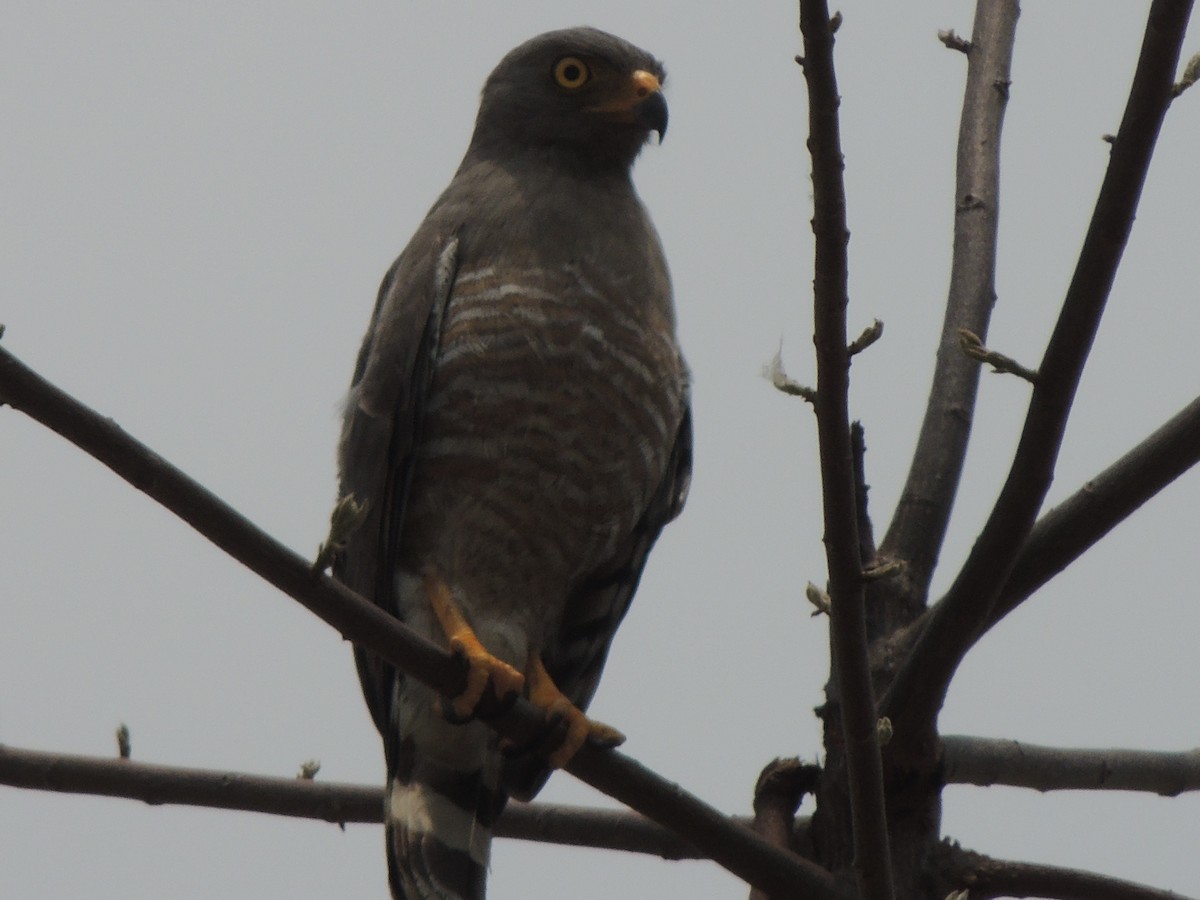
579, 93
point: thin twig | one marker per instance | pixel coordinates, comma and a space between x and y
989, 761
953, 42
919, 689
848, 632
973, 346
734, 847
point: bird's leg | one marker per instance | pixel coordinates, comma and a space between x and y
482, 666
544, 694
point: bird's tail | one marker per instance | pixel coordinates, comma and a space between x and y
439, 816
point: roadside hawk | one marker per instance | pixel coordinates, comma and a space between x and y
519, 430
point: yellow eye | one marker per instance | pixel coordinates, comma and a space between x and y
571, 72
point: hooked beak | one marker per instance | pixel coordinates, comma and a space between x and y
650, 106
640, 102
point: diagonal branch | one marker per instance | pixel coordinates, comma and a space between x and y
919, 689
986, 878
1068, 530
848, 630
733, 846
918, 527
989, 761
1064, 533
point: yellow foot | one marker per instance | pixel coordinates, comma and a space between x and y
482, 667
545, 695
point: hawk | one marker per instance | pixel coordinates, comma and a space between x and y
519, 429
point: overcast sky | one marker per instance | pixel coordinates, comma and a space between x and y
198, 202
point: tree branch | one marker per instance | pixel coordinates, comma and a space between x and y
919, 689
918, 527
848, 632
1064, 533
1068, 530
989, 761
986, 878
604, 829
733, 846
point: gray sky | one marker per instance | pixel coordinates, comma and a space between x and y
198, 204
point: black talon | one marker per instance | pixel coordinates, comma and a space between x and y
548, 739
491, 706
451, 715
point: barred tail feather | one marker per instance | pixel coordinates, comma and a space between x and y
439, 827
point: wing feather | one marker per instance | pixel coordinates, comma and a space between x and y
382, 429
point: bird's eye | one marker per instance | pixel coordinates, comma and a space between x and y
571, 73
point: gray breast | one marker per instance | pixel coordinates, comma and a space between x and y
552, 413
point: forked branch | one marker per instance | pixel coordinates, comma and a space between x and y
919, 689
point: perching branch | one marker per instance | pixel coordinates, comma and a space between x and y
919, 689
989, 761
731, 845
918, 527
848, 631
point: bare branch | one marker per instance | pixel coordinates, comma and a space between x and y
919, 689
848, 631
918, 527
986, 878
158, 785
735, 847
1064, 533
342, 804
1068, 530
989, 761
